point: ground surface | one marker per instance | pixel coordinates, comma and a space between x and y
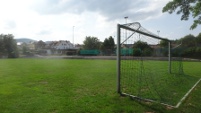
71, 85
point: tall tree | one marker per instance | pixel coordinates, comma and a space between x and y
142, 49
185, 7
91, 43
9, 47
108, 43
188, 41
111, 43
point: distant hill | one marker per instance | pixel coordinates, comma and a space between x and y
26, 40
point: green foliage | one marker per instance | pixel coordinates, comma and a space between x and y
190, 46
164, 43
2, 49
8, 46
142, 49
188, 41
198, 39
25, 49
108, 45
91, 43
164, 47
191, 52
185, 7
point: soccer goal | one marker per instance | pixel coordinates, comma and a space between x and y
145, 69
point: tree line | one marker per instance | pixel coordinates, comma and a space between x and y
187, 46
190, 46
107, 47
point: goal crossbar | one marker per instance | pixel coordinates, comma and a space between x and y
141, 32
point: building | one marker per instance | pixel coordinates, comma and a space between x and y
59, 47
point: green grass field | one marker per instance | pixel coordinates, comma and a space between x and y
75, 86
150, 79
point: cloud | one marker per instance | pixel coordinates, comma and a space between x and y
10, 24
111, 9
44, 32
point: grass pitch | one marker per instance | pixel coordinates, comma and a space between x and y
61, 86
150, 79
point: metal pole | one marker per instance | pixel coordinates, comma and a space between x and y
158, 32
118, 59
158, 35
126, 19
73, 36
169, 57
126, 23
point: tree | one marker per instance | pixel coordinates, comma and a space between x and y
91, 43
1, 46
40, 45
142, 49
188, 41
111, 43
8, 46
108, 44
185, 7
164, 43
25, 49
198, 39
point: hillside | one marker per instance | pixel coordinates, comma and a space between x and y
26, 40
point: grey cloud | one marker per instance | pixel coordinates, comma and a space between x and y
44, 32
111, 9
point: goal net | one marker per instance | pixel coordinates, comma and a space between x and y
145, 68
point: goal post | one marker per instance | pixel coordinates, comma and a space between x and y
145, 65
125, 27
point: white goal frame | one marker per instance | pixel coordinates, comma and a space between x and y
126, 27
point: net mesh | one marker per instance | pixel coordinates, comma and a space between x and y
144, 68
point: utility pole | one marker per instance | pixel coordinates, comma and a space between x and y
73, 36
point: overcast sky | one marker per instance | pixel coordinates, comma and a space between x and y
51, 20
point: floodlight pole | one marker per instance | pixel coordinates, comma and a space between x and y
73, 36
118, 59
126, 17
158, 34
169, 57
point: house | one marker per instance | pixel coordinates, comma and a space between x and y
59, 47
78, 46
63, 45
31, 45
